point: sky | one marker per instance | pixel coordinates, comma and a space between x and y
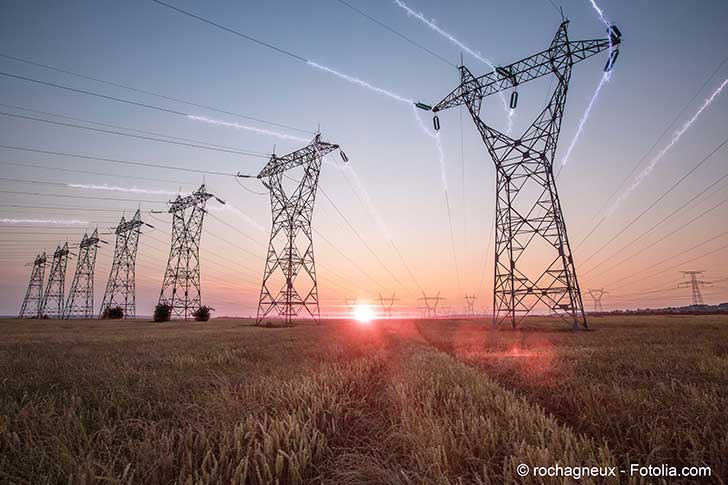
391, 196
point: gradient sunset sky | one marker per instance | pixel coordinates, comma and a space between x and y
672, 59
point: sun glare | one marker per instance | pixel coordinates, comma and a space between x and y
363, 313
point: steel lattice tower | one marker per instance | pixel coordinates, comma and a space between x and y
430, 304
596, 295
80, 302
386, 304
34, 295
694, 285
181, 285
53, 298
289, 279
120, 288
528, 211
470, 303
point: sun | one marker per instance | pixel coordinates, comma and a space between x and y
363, 313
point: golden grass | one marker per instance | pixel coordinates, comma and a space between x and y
398, 402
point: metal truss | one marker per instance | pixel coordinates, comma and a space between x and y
289, 279
386, 304
470, 305
80, 302
694, 283
596, 295
430, 304
33, 300
527, 203
120, 288
53, 298
181, 285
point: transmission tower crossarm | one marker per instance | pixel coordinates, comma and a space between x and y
315, 149
538, 65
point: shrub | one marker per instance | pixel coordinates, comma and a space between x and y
112, 313
162, 312
202, 314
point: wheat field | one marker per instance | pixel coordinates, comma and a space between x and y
391, 402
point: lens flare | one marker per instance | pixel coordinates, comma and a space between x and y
363, 313
676, 137
252, 129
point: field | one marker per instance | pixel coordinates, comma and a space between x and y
342, 402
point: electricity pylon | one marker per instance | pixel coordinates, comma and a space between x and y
33, 300
80, 302
386, 304
470, 305
289, 278
181, 285
695, 285
597, 295
120, 288
528, 211
430, 304
53, 298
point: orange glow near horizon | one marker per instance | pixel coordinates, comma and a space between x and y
363, 313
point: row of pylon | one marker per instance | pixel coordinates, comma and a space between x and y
180, 286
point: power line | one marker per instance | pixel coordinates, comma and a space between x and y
402, 36
656, 201
82, 197
639, 162
666, 218
120, 127
158, 95
88, 172
120, 161
232, 31
149, 138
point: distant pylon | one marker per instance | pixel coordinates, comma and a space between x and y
470, 305
80, 302
386, 304
33, 300
289, 278
695, 285
528, 210
53, 298
596, 295
430, 304
181, 285
120, 288
350, 304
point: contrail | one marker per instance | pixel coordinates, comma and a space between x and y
230, 208
584, 117
676, 137
431, 24
112, 188
360, 82
605, 77
44, 221
238, 126
443, 177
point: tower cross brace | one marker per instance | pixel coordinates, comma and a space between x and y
289, 279
121, 286
527, 202
80, 302
33, 300
181, 288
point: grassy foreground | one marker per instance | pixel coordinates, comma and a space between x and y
398, 402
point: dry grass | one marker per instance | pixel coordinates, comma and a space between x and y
400, 402
654, 388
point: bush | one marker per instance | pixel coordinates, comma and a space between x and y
112, 313
162, 312
202, 314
